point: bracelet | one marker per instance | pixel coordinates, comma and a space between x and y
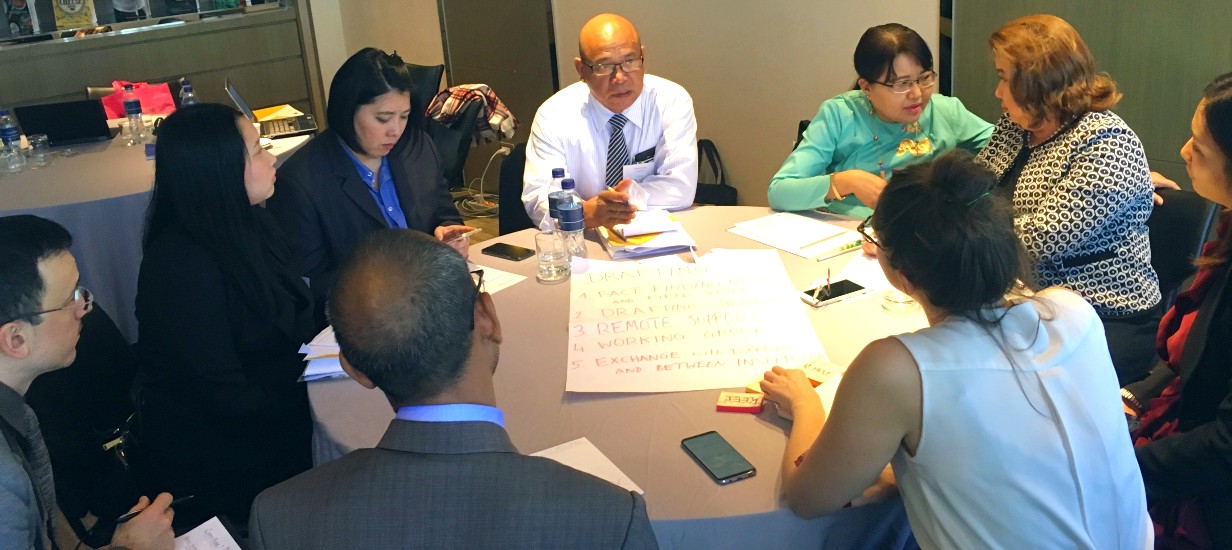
834, 190
1129, 397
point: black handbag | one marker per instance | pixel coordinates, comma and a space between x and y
712, 187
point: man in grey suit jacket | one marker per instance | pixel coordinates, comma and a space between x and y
413, 322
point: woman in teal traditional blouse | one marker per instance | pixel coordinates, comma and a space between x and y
890, 120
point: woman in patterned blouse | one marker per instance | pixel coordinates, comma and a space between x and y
1079, 180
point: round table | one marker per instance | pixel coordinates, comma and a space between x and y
100, 194
641, 433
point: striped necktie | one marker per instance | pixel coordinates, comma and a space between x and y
617, 152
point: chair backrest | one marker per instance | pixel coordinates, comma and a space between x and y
78, 408
425, 83
800, 128
1178, 229
512, 213
453, 142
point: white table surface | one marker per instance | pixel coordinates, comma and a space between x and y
641, 433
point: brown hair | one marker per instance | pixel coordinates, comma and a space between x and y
1054, 71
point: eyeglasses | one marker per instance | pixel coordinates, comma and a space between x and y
477, 279
862, 229
606, 69
82, 297
925, 81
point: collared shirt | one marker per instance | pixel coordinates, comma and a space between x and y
571, 132
452, 412
385, 195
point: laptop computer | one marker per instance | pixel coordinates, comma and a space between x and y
65, 123
278, 128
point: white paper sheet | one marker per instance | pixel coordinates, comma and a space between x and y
495, 280
716, 324
581, 454
210, 535
646, 222
800, 235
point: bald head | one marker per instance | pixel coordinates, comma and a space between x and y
603, 30
608, 40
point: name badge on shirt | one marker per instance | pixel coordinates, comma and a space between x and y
644, 156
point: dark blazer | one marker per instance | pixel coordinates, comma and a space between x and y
1196, 462
447, 485
325, 209
222, 413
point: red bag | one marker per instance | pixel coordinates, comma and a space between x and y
155, 99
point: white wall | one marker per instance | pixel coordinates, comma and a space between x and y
754, 69
343, 27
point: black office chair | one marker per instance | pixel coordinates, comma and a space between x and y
453, 142
800, 128
512, 214
1178, 230
78, 408
425, 83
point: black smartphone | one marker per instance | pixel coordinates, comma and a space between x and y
838, 290
718, 457
508, 251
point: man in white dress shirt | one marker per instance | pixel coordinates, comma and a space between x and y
628, 139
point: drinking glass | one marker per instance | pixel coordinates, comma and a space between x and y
553, 257
40, 151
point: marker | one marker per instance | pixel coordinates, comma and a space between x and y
135, 513
849, 247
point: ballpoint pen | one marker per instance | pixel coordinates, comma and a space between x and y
130, 515
463, 235
817, 291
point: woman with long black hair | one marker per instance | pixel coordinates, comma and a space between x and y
221, 315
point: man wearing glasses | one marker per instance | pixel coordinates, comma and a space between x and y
411, 321
628, 139
41, 306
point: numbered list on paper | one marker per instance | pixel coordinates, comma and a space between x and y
687, 327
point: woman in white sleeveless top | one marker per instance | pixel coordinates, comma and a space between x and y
1002, 420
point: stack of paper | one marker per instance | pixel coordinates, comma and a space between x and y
322, 356
800, 235
652, 232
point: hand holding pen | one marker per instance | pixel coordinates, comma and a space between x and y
148, 524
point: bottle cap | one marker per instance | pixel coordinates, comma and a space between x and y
4, 112
558, 173
567, 183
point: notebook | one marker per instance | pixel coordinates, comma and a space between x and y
277, 128
65, 123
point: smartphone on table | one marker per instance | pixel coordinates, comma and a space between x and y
508, 252
825, 294
718, 457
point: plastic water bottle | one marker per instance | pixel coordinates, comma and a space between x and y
132, 109
572, 220
187, 95
555, 196
12, 160
184, 86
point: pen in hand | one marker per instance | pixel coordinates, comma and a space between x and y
463, 235
130, 515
